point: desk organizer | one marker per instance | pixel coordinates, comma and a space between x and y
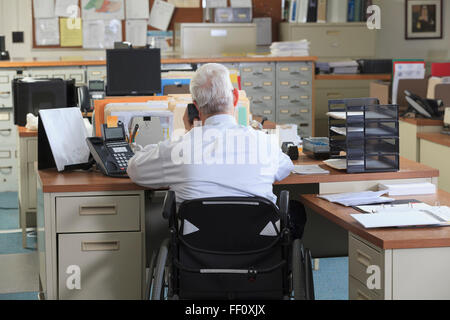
365, 133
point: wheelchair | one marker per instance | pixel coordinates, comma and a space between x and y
229, 248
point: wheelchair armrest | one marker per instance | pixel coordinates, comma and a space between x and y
170, 205
284, 205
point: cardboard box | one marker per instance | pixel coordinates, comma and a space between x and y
381, 90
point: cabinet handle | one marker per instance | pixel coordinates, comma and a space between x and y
294, 101
362, 296
294, 72
257, 102
100, 245
97, 210
363, 258
257, 73
257, 87
3, 93
8, 153
3, 169
334, 95
4, 130
333, 32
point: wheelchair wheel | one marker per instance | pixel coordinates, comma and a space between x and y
161, 273
298, 271
151, 270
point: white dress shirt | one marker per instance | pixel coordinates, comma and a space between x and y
219, 159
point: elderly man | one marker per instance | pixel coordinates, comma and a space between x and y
219, 158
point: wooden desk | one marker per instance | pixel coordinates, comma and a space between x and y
434, 151
24, 132
408, 263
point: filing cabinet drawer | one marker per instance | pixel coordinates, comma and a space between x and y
255, 87
8, 170
361, 256
294, 114
293, 100
258, 71
294, 71
109, 265
6, 96
97, 214
96, 73
7, 128
292, 85
264, 110
358, 291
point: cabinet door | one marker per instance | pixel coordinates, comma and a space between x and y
107, 266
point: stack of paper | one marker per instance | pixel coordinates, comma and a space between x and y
343, 131
290, 48
344, 67
357, 198
408, 188
406, 70
310, 169
417, 214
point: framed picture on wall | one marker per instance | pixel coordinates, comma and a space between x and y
423, 19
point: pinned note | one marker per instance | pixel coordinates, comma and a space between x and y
111, 121
71, 32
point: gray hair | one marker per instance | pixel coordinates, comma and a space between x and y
211, 89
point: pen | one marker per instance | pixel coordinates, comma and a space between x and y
133, 135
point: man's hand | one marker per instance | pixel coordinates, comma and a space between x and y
187, 124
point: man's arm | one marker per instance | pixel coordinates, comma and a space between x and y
145, 168
285, 166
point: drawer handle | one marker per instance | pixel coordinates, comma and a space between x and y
5, 93
295, 101
333, 32
100, 245
294, 72
257, 102
295, 87
6, 169
98, 210
257, 73
334, 95
362, 296
5, 152
257, 87
363, 258
5, 130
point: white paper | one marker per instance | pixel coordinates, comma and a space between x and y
309, 169
43, 8
400, 219
405, 189
216, 3
67, 8
67, 135
113, 33
93, 34
241, 3
46, 31
357, 198
161, 14
406, 71
137, 9
136, 32
103, 9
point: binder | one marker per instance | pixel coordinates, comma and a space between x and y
358, 5
302, 12
440, 69
351, 11
322, 11
337, 11
312, 11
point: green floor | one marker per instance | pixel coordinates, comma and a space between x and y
19, 266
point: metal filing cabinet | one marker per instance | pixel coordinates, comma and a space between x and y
258, 80
294, 95
77, 73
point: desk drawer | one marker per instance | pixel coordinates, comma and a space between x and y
358, 291
97, 214
360, 257
110, 265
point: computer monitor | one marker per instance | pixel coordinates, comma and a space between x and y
31, 95
135, 72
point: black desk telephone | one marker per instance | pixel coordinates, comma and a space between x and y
111, 151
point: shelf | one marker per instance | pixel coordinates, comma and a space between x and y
364, 76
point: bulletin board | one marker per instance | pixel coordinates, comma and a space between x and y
261, 8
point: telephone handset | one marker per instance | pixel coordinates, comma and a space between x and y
111, 151
429, 108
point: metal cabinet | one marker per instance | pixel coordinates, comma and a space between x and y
91, 244
6, 96
66, 73
294, 95
8, 154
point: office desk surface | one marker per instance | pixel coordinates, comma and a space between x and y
408, 170
24, 132
436, 137
82, 181
423, 122
386, 238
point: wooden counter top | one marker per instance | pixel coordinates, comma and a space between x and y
168, 59
436, 137
408, 170
81, 181
386, 238
423, 122
24, 132
353, 76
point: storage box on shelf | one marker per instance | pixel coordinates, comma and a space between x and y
366, 132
